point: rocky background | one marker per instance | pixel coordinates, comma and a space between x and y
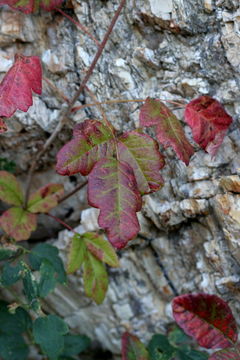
170, 49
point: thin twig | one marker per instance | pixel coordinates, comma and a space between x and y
99, 106
61, 222
79, 25
66, 111
76, 189
58, 91
119, 101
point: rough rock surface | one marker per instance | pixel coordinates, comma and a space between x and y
172, 49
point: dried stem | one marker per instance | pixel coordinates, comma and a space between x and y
119, 101
79, 25
66, 111
76, 189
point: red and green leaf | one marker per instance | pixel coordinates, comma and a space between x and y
95, 278
10, 189
91, 142
100, 248
45, 199
207, 318
141, 152
77, 253
168, 128
17, 85
18, 223
133, 348
232, 353
29, 6
112, 188
209, 122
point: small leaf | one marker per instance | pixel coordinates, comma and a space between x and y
95, 278
76, 254
45, 199
14, 323
231, 353
168, 128
207, 318
141, 152
18, 223
101, 249
191, 355
3, 126
29, 6
133, 348
160, 349
11, 274
91, 142
30, 287
75, 344
48, 333
47, 278
7, 252
113, 189
48, 252
10, 190
209, 122
17, 85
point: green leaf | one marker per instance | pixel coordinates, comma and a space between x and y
160, 349
45, 199
13, 347
191, 355
18, 223
15, 323
101, 248
177, 337
141, 152
76, 254
48, 252
48, 333
10, 190
133, 348
11, 274
30, 287
6, 252
75, 344
7, 165
95, 278
47, 280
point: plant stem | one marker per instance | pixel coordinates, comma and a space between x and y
54, 87
119, 101
61, 222
66, 111
80, 26
76, 189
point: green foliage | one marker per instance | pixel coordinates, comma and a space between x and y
7, 165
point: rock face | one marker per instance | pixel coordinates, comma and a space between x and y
189, 241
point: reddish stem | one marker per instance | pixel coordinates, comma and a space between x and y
61, 222
76, 189
80, 26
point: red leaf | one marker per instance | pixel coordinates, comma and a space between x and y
18, 223
133, 348
141, 152
29, 6
17, 85
227, 354
168, 128
3, 126
91, 142
45, 199
113, 189
207, 318
209, 122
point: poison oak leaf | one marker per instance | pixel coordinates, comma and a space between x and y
209, 122
18, 223
169, 131
207, 318
133, 348
231, 353
29, 6
17, 85
91, 142
113, 189
45, 198
141, 152
3, 126
10, 189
